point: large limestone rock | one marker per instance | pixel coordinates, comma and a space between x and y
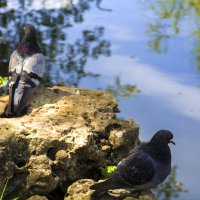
66, 135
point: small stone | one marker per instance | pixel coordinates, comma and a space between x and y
105, 148
37, 197
147, 195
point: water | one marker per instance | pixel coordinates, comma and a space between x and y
152, 46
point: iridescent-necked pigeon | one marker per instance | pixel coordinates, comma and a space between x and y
26, 69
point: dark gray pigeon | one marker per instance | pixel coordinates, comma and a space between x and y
26, 69
145, 168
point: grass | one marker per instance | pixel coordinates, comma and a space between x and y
4, 189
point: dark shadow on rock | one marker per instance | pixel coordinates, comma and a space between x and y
14, 156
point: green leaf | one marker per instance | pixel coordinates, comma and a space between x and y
3, 81
107, 171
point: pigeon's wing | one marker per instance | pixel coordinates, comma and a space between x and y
34, 67
32, 73
15, 63
136, 169
15, 68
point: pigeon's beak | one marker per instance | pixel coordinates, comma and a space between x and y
172, 142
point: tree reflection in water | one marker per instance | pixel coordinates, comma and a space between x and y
66, 60
169, 16
171, 188
119, 90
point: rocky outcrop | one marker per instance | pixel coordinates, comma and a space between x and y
66, 136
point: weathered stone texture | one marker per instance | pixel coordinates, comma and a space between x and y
66, 135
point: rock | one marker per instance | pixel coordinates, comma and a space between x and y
37, 197
3, 102
66, 136
80, 191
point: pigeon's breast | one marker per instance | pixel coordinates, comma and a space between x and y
161, 173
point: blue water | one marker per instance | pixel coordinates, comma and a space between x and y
169, 83
167, 77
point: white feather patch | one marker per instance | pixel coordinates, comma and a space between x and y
35, 81
16, 62
35, 64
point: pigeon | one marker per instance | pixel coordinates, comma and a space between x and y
145, 167
26, 69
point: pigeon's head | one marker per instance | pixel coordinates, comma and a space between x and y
28, 45
163, 137
29, 30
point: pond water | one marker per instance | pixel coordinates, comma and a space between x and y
146, 51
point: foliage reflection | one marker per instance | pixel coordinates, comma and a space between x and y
169, 16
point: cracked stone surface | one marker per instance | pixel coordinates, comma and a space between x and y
67, 134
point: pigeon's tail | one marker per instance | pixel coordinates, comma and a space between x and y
9, 110
19, 97
108, 184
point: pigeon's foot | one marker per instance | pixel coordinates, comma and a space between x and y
4, 115
22, 112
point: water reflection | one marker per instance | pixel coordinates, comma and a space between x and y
119, 90
169, 17
65, 60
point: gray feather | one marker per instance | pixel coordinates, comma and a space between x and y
34, 63
105, 185
22, 95
16, 62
